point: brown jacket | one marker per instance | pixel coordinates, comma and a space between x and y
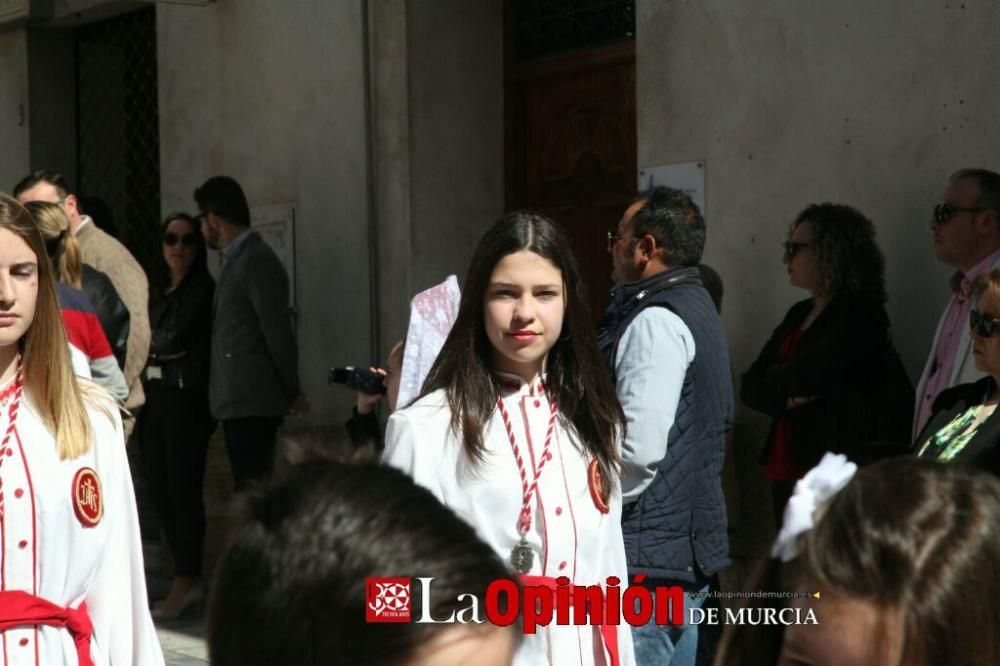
107, 255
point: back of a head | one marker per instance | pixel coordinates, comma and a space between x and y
224, 197
672, 217
921, 537
291, 587
914, 539
60, 244
50, 218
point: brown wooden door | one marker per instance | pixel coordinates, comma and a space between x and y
571, 148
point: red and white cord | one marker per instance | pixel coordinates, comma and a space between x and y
528, 489
17, 389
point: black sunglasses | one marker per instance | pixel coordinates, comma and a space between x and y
792, 248
944, 211
985, 325
187, 240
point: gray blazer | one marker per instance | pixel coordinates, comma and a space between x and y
254, 365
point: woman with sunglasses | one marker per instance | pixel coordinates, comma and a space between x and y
175, 424
964, 425
829, 376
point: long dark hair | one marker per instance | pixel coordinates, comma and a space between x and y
847, 252
161, 272
577, 378
914, 536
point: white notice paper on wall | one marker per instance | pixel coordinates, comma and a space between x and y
686, 176
276, 225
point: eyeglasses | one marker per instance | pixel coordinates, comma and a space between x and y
984, 325
944, 211
613, 237
187, 240
792, 248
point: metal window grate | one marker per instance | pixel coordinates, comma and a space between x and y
550, 27
118, 143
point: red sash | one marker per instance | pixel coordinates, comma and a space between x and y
609, 632
20, 609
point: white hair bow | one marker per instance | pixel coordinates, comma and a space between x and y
821, 483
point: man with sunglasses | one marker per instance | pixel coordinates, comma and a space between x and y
107, 255
966, 236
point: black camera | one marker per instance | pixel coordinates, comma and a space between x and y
359, 379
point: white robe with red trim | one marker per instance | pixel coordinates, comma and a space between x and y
48, 552
569, 535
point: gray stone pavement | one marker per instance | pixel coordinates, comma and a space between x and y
183, 646
183, 640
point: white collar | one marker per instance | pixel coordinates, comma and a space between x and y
512, 384
84, 220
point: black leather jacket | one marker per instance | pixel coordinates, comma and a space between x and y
111, 310
181, 322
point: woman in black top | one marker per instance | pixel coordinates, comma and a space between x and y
829, 376
175, 423
965, 425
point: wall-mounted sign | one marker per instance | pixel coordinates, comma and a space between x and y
686, 176
276, 225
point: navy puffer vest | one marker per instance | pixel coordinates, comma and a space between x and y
679, 521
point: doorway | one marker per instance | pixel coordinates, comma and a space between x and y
570, 121
118, 135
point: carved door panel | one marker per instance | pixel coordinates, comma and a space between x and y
571, 149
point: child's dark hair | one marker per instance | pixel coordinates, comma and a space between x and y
913, 536
290, 588
576, 376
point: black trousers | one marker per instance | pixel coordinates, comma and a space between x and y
174, 427
250, 443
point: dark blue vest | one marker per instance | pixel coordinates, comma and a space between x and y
678, 523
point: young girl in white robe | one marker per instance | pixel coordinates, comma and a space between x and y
516, 430
72, 589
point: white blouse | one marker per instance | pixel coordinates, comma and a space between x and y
569, 535
49, 552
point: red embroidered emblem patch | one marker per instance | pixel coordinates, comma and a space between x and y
597, 490
87, 500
